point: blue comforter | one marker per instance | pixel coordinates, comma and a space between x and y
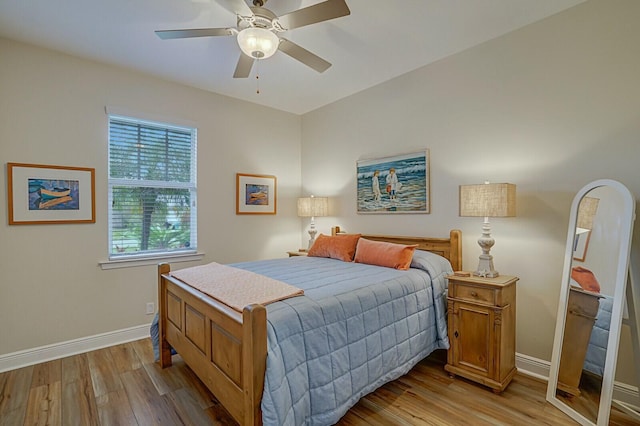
597, 349
357, 327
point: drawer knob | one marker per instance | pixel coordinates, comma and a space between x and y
456, 334
474, 294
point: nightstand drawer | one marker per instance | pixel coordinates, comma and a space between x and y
475, 294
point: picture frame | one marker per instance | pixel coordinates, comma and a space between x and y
256, 194
581, 244
405, 190
49, 194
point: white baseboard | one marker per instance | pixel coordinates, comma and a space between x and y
33, 356
628, 394
534, 367
539, 368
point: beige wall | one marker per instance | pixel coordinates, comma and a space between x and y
550, 108
52, 111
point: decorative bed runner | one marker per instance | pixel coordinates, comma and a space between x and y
235, 287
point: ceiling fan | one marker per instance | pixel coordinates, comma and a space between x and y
257, 30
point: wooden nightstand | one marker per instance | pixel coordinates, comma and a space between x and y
482, 329
297, 253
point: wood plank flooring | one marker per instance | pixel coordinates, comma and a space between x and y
121, 385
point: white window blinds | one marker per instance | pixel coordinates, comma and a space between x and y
152, 188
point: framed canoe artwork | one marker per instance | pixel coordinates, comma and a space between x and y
255, 194
396, 184
44, 194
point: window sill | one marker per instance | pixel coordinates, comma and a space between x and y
150, 260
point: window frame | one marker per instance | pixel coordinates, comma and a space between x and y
152, 256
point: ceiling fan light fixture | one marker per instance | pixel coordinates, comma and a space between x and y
258, 43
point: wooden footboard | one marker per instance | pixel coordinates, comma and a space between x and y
227, 350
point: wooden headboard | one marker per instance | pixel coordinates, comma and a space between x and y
449, 248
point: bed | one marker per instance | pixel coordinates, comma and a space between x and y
228, 349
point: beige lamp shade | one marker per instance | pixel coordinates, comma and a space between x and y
488, 200
313, 206
587, 212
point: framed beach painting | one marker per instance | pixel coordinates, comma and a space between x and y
396, 184
255, 194
44, 194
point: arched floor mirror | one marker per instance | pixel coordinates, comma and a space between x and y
591, 305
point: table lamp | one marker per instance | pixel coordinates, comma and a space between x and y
313, 207
487, 200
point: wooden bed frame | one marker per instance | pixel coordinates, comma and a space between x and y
226, 349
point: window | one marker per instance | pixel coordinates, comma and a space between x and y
152, 188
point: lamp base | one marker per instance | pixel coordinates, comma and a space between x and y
312, 237
485, 267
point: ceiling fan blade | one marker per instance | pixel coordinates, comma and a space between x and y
239, 7
324, 11
200, 32
303, 55
245, 63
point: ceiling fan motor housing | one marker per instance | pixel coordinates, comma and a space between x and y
262, 18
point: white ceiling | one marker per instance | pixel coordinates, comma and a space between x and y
380, 40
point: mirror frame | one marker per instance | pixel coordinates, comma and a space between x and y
626, 230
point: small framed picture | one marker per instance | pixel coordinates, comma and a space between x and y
44, 194
581, 243
255, 194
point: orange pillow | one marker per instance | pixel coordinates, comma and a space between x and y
341, 247
585, 278
380, 253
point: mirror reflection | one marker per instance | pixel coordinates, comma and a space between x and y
584, 345
586, 215
600, 240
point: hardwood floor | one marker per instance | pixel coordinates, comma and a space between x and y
121, 385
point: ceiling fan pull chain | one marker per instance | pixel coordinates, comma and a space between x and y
258, 76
